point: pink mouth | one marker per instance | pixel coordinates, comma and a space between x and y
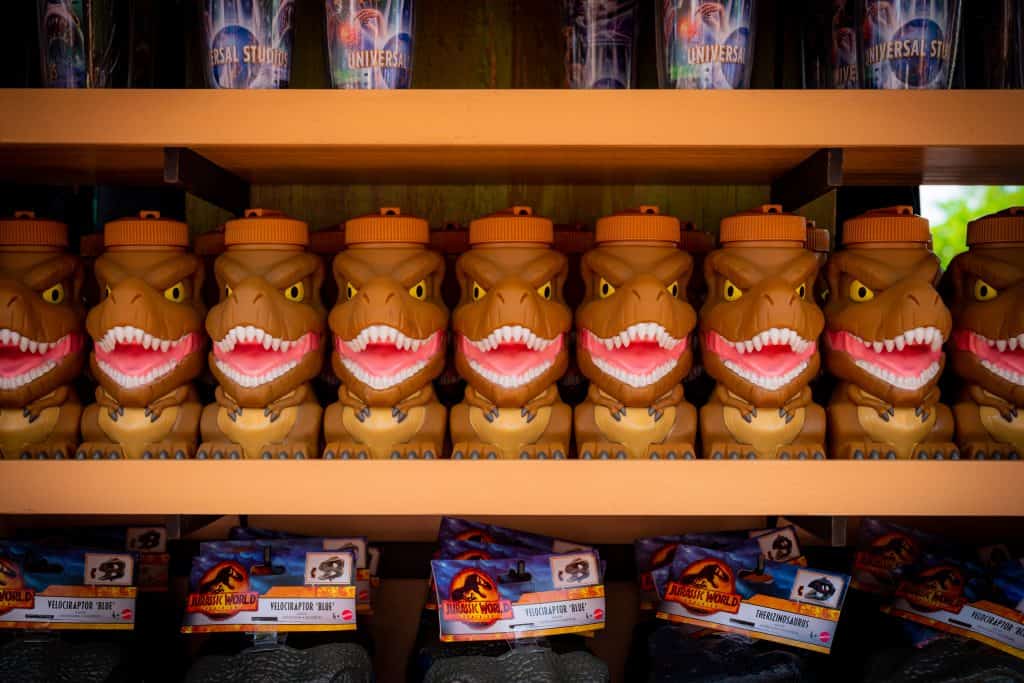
997, 356
382, 357
909, 361
641, 355
23, 360
511, 356
250, 356
770, 359
133, 357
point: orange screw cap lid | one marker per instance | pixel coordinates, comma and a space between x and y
387, 225
25, 230
1005, 226
645, 223
892, 224
266, 226
148, 229
767, 222
515, 224
818, 239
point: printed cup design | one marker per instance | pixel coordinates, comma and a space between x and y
248, 44
369, 43
600, 41
908, 44
706, 45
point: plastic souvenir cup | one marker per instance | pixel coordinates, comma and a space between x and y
908, 44
248, 45
706, 44
81, 42
369, 43
600, 43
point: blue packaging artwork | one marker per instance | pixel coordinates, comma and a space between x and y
248, 43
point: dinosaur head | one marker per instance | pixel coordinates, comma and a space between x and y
389, 323
147, 331
511, 321
267, 329
41, 314
886, 322
634, 324
760, 325
987, 303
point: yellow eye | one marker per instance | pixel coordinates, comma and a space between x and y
54, 295
106, 291
545, 290
983, 291
295, 292
731, 292
419, 290
860, 292
175, 292
605, 288
228, 291
478, 292
801, 291
350, 291
673, 289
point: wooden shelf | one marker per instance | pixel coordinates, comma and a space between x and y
505, 136
570, 488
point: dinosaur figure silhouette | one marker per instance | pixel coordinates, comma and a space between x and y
472, 588
331, 568
708, 577
221, 583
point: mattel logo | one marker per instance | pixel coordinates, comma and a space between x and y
824, 637
346, 615
598, 613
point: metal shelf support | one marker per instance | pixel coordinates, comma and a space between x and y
816, 175
192, 172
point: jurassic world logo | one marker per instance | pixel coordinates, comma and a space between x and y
224, 592
934, 589
474, 598
888, 552
13, 594
705, 587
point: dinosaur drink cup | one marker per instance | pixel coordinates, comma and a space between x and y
42, 339
510, 334
267, 334
760, 328
369, 43
633, 341
706, 44
987, 353
886, 327
148, 342
248, 44
908, 44
389, 341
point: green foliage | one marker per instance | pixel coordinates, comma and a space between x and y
950, 236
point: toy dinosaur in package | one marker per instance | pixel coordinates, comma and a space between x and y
519, 597
650, 554
987, 352
759, 328
885, 551
148, 343
389, 341
634, 331
886, 328
454, 528
510, 329
65, 588
738, 592
41, 337
286, 586
267, 334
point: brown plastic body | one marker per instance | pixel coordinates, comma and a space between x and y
277, 418
524, 421
379, 285
745, 419
39, 417
990, 413
160, 418
626, 416
870, 417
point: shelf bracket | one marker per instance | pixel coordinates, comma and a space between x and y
192, 172
810, 179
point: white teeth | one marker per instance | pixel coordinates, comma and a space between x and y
508, 334
635, 380
889, 344
382, 382
383, 334
900, 342
649, 332
132, 382
18, 381
248, 381
899, 381
1012, 343
763, 381
23, 344
511, 381
1005, 373
930, 336
877, 346
247, 334
1001, 344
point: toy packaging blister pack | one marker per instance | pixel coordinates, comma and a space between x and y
885, 552
367, 558
274, 586
519, 597
65, 588
776, 545
959, 597
738, 592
